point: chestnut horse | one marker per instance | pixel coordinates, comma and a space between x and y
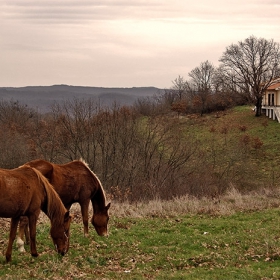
25, 191
74, 182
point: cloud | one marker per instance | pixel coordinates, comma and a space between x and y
121, 42
44, 11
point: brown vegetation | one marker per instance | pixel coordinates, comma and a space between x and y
231, 202
142, 157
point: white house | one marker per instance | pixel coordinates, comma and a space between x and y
271, 101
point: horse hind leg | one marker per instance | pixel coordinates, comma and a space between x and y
23, 230
32, 227
12, 236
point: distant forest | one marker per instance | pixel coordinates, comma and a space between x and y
42, 98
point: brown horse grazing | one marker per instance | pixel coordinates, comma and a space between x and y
74, 182
24, 191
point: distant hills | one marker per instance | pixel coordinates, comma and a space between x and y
42, 98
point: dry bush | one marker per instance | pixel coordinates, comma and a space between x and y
257, 143
242, 128
245, 140
13, 150
265, 123
224, 129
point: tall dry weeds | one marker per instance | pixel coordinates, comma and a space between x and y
229, 203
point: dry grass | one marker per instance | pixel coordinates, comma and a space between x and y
230, 203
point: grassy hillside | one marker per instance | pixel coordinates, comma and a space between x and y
239, 146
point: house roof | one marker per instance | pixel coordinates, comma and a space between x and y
274, 86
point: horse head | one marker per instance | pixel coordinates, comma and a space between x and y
100, 221
60, 235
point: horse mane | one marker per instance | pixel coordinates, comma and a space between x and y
101, 189
55, 207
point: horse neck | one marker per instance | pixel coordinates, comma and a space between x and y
55, 209
99, 200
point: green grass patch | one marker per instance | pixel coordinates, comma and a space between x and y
238, 147
240, 246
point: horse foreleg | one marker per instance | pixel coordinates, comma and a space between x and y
32, 233
13, 232
22, 230
84, 209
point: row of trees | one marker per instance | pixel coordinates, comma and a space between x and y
136, 157
247, 69
133, 155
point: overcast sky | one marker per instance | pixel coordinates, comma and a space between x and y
123, 43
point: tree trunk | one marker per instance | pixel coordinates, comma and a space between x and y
259, 107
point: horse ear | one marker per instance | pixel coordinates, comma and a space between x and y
108, 205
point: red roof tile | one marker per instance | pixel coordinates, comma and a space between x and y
274, 86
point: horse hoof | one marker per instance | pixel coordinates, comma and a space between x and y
35, 255
20, 245
8, 259
20, 242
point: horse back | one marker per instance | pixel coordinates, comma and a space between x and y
20, 193
73, 181
45, 167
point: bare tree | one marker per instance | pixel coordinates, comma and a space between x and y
15, 122
43, 137
252, 65
74, 129
202, 76
226, 88
14, 115
201, 84
180, 87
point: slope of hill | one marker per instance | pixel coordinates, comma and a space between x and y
42, 97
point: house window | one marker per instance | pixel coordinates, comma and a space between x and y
271, 99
